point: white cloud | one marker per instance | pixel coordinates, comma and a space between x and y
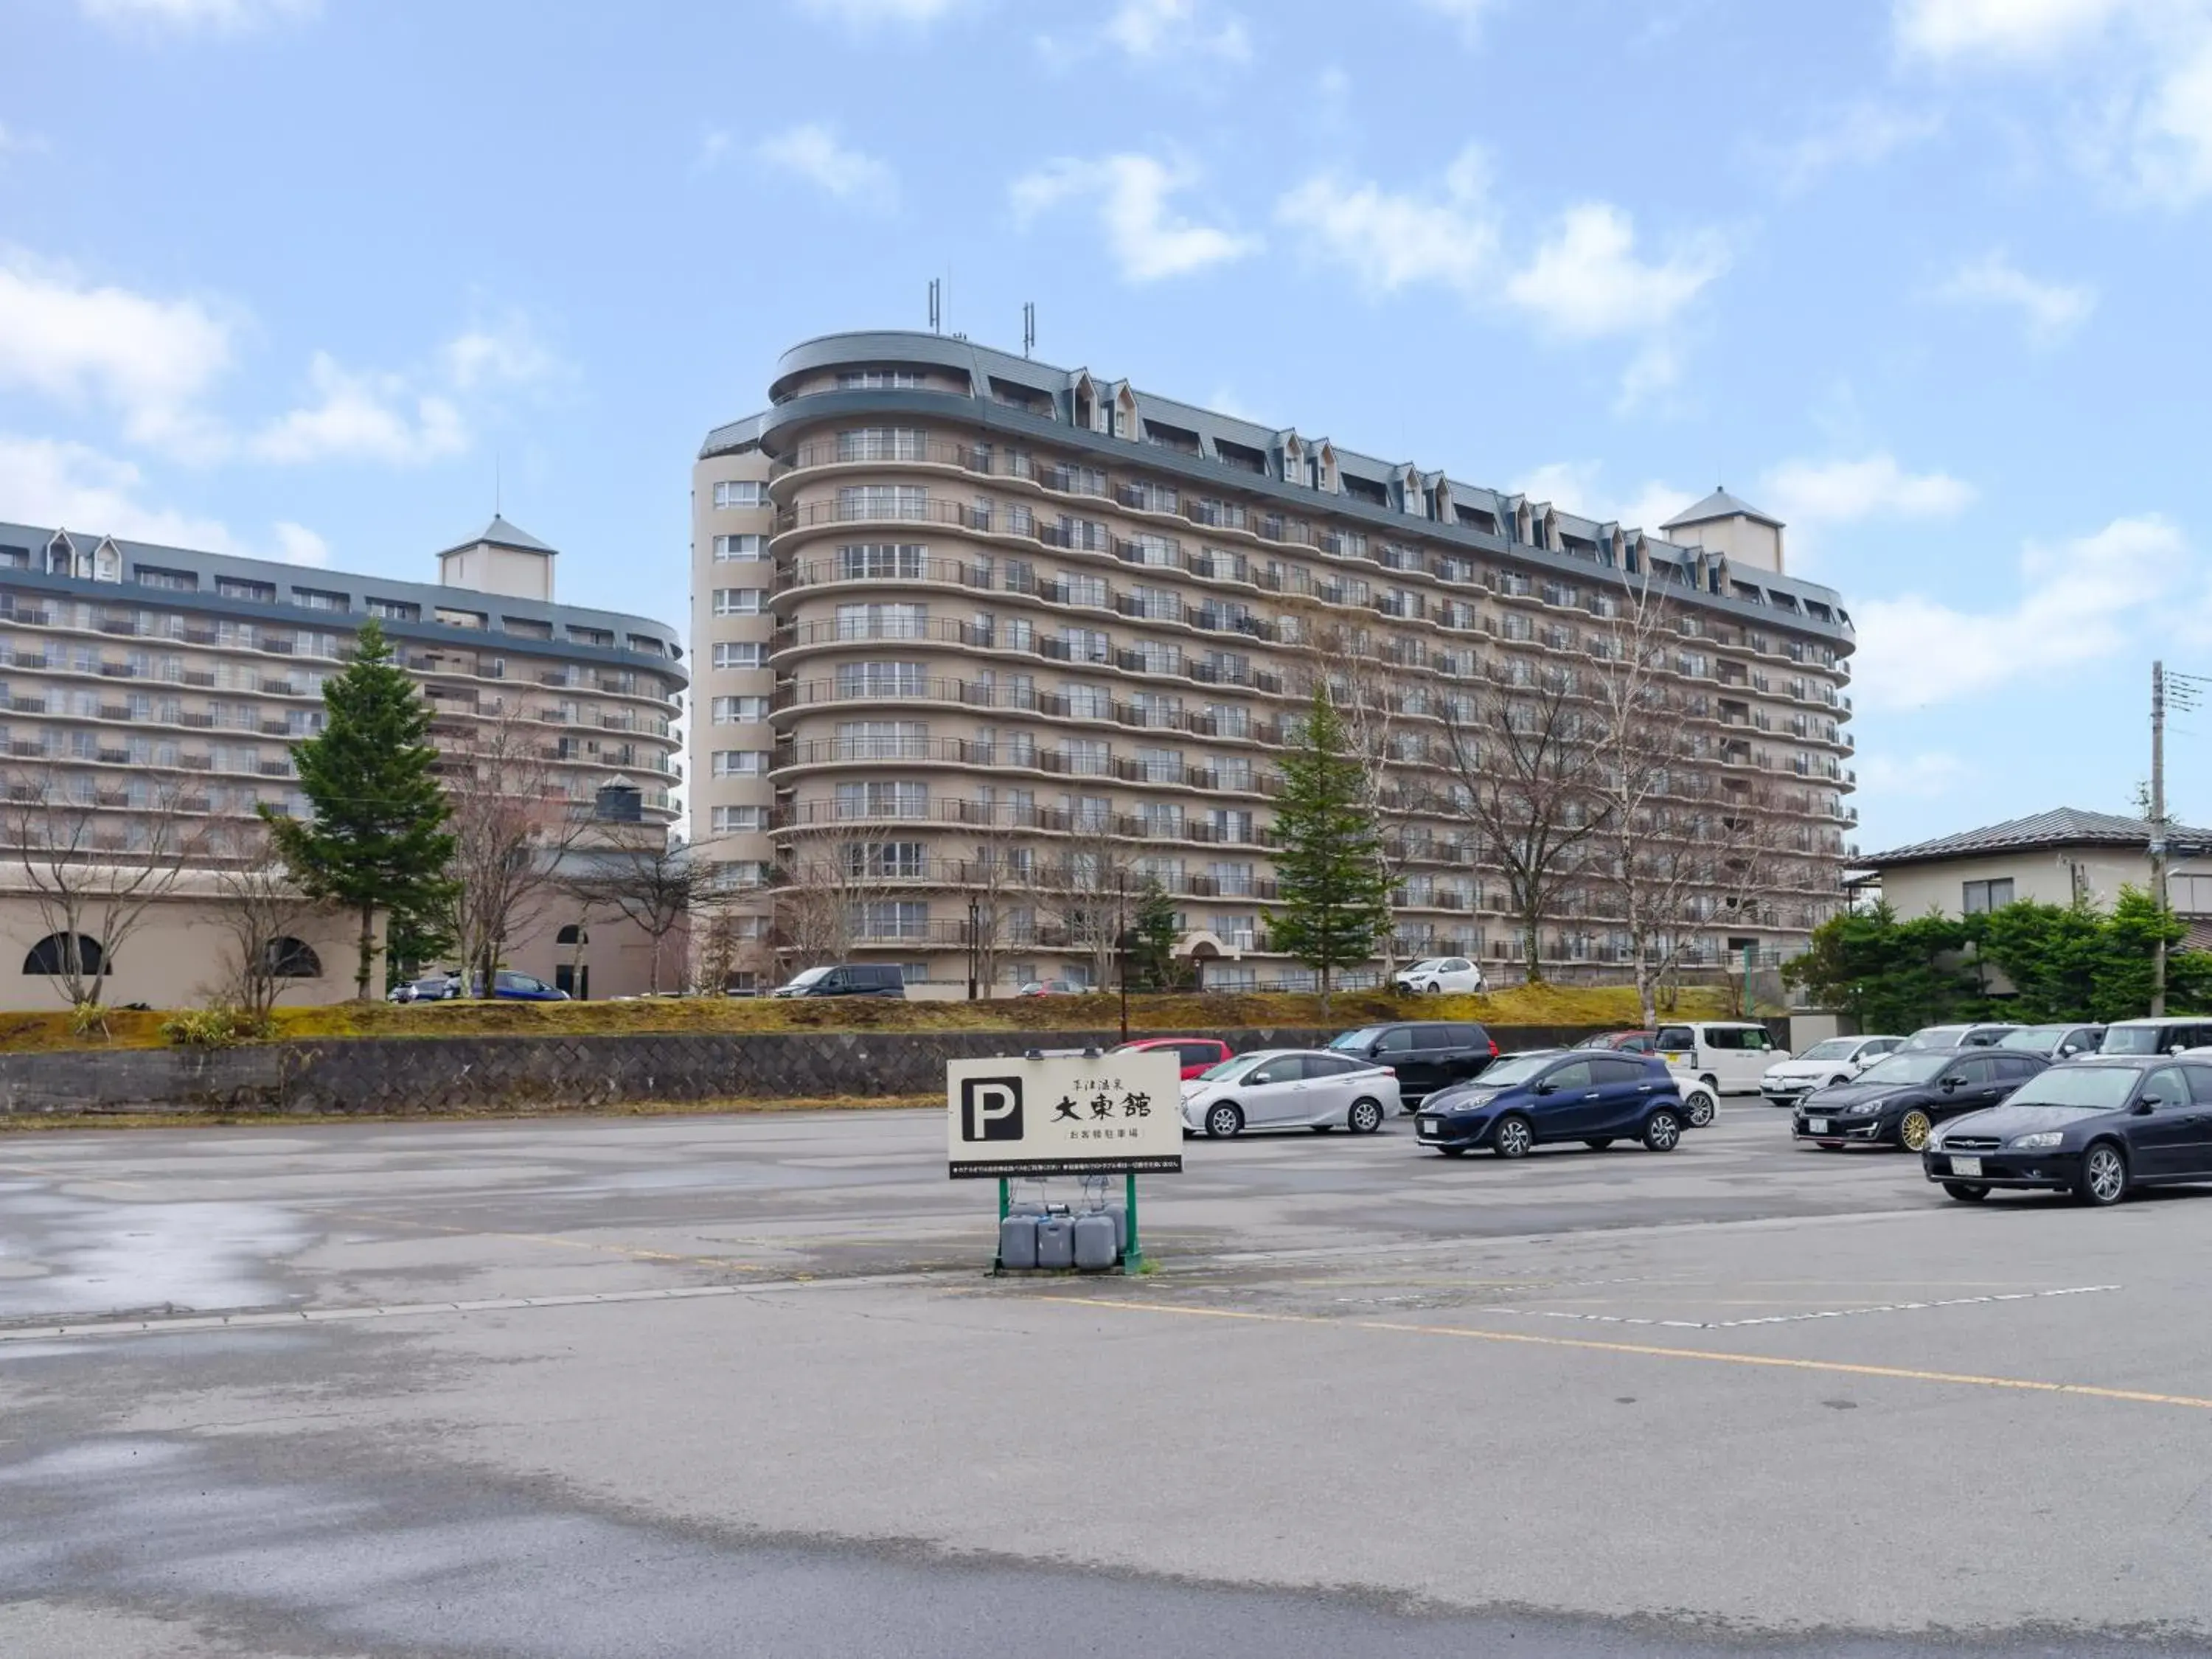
1147, 237
1844, 492
1467, 14
2078, 604
148, 359
505, 352
1587, 281
183, 16
875, 14
362, 417
2048, 311
75, 487
1390, 241
1579, 487
811, 151
1153, 29
2172, 153
1998, 29
1858, 136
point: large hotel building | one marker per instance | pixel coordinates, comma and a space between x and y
139, 681
968, 629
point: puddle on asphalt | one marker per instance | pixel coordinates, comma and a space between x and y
64, 1254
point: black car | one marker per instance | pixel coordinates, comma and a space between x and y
1580, 1094
2098, 1128
851, 979
1427, 1055
1898, 1099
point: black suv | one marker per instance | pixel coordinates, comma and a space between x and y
1427, 1055
1898, 1100
851, 979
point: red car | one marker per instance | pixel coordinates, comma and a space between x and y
1624, 1043
1199, 1054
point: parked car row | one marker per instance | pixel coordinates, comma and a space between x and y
506, 985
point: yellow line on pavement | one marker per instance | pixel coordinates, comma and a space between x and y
1774, 1362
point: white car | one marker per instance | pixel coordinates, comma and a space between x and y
1839, 1060
1437, 974
1701, 1101
1290, 1089
1729, 1055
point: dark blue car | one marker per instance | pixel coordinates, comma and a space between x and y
1526, 1100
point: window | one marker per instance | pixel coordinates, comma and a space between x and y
740, 764
740, 711
740, 820
893, 860
740, 601
291, 958
1979, 897
178, 581
53, 955
239, 587
737, 492
727, 548
450, 618
882, 799
877, 380
883, 501
579, 634
393, 609
881, 919
882, 621
879, 444
882, 559
1084, 756
319, 598
881, 680
1089, 702
882, 739
740, 653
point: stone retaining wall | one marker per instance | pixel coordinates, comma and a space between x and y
432, 1074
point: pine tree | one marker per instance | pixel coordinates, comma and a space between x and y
377, 841
1334, 896
1152, 939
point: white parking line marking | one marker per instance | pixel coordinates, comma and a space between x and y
1797, 1318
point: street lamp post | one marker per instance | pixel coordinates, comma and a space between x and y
1122, 941
975, 942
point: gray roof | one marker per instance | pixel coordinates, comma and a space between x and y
500, 533
2061, 826
1720, 505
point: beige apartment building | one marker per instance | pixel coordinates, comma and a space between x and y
151, 693
983, 645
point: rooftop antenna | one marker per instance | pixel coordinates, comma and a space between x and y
1028, 326
936, 306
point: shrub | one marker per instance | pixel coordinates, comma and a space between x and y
213, 1028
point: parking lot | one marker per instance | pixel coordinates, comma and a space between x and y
584, 1386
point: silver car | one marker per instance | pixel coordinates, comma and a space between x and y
1290, 1089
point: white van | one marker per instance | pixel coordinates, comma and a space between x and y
1730, 1055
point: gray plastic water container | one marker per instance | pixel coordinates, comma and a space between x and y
1096, 1242
1055, 1242
1121, 1214
1017, 1241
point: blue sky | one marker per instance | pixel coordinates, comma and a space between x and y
293, 277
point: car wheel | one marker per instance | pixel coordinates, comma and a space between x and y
1662, 1131
1598, 1143
1712, 1083
1913, 1130
1433, 990
1224, 1121
1364, 1118
2104, 1175
1966, 1191
1838, 1081
1699, 1108
1512, 1138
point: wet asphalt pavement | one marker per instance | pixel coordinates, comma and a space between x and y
735, 1387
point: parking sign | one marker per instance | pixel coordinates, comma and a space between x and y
1100, 1115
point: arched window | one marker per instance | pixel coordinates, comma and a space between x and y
51, 955
573, 934
291, 958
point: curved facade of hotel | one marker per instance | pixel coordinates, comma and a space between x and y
955, 610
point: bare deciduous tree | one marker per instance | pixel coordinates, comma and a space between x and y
645, 875
997, 876
94, 860
1085, 883
826, 878
1526, 773
261, 912
513, 825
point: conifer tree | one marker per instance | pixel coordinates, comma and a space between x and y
378, 840
1335, 899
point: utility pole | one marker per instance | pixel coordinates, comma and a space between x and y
2158, 834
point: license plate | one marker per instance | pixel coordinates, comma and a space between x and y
1429, 1127
1818, 1126
1674, 1056
1965, 1166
